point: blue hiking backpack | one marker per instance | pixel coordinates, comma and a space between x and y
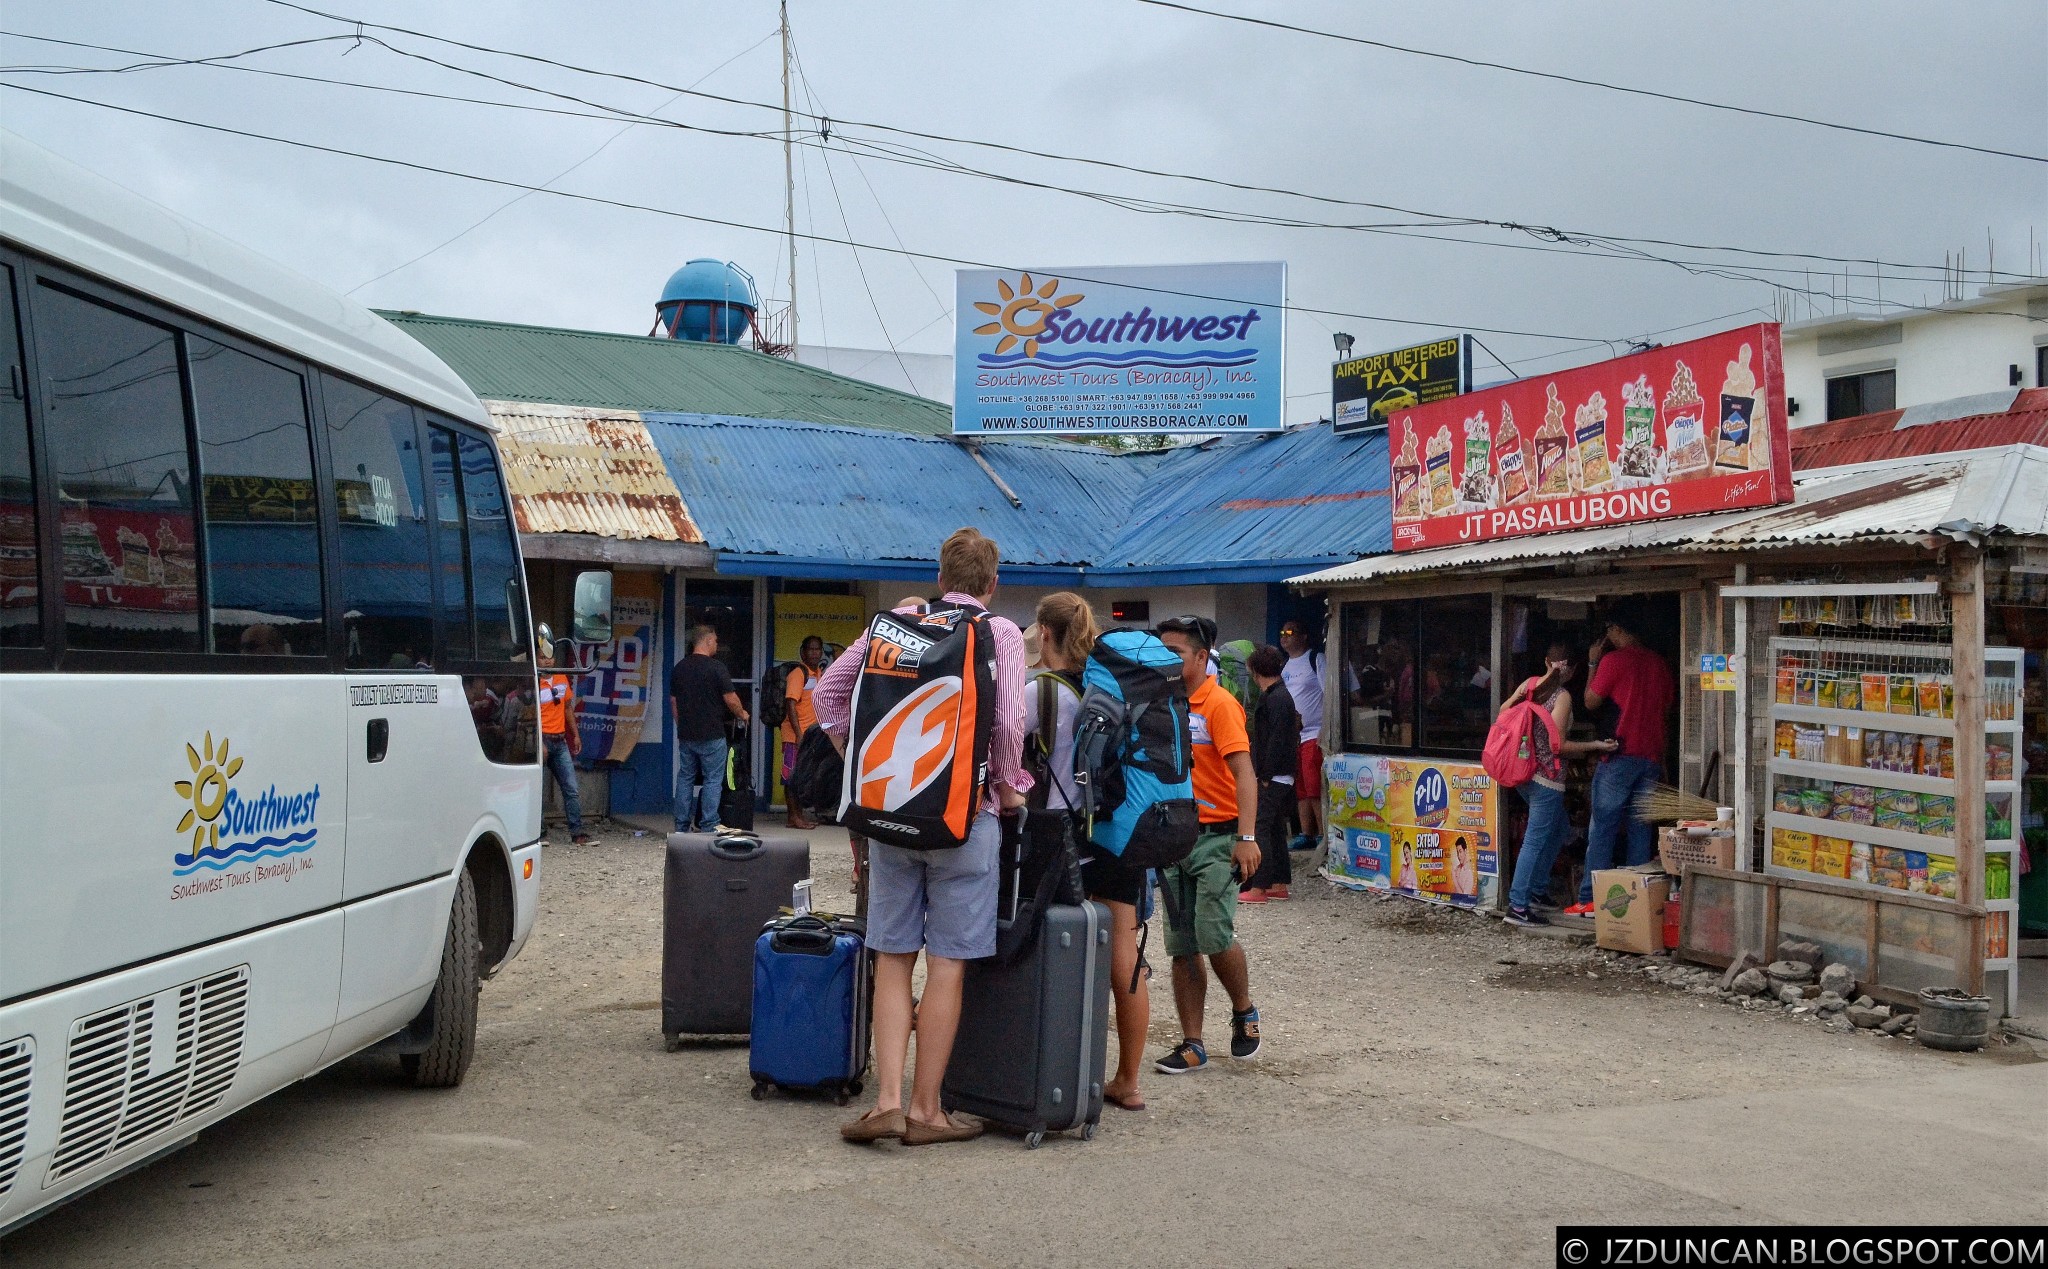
1133, 751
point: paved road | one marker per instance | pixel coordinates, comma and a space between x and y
1422, 1103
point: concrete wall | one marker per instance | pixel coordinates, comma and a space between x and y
1940, 355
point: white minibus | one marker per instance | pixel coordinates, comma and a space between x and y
269, 781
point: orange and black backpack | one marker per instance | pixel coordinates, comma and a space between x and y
924, 709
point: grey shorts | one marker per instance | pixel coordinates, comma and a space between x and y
941, 900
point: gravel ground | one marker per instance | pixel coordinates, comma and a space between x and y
1378, 1012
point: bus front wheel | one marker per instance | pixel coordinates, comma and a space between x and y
446, 1058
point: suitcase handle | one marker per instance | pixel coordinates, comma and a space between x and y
807, 935
748, 845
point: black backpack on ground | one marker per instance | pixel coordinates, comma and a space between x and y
736, 803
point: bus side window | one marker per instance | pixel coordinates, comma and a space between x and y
123, 466
21, 615
493, 556
457, 643
262, 518
380, 502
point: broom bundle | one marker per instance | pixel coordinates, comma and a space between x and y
1664, 804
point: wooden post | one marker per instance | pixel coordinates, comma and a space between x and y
1966, 600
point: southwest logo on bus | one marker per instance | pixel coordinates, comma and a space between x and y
910, 747
1432, 798
227, 828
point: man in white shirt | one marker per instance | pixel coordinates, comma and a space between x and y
1303, 676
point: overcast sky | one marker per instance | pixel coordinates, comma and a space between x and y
1108, 79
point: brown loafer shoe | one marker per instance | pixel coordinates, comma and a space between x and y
874, 1126
916, 1132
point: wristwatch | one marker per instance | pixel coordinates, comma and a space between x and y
1245, 837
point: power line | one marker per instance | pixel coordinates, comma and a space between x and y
736, 224
1541, 231
1592, 83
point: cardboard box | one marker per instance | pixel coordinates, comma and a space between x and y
1676, 848
1628, 908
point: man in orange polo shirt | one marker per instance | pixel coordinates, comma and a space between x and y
559, 739
1200, 892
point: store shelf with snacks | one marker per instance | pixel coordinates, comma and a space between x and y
1897, 839
1872, 776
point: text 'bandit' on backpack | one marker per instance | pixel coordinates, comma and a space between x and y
924, 709
1132, 743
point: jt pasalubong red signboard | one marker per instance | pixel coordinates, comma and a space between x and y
1674, 431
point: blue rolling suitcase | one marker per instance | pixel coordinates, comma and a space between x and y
811, 1002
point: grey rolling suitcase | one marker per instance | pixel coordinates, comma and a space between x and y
1034, 1034
716, 895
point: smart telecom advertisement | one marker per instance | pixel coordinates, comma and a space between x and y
1157, 348
1420, 828
1674, 431
614, 680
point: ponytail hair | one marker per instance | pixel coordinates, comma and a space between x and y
1068, 624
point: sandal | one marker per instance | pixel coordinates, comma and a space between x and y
1130, 1101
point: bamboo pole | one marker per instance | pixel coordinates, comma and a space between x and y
1966, 599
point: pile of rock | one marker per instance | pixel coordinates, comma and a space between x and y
1803, 983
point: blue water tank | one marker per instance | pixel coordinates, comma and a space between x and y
708, 301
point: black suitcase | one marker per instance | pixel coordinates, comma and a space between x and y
1034, 1034
717, 893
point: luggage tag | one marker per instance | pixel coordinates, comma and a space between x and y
800, 898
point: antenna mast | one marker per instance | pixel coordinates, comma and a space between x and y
789, 178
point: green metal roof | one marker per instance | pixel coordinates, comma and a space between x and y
508, 362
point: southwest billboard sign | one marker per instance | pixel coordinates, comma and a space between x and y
1365, 390
1674, 431
1165, 348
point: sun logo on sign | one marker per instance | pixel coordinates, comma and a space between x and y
207, 790
1021, 316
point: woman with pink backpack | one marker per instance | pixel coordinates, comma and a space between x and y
1549, 724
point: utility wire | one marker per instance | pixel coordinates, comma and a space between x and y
1592, 83
602, 201
1538, 230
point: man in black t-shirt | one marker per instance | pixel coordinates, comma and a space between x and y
701, 690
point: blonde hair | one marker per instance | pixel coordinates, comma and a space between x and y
1066, 622
967, 563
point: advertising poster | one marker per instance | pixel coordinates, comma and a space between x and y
1674, 431
1412, 826
1157, 348
1365, 390
616, 680
837, 619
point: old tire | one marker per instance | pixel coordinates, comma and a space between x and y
444, 1061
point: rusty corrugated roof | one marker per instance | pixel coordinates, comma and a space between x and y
1874, 437
573, 469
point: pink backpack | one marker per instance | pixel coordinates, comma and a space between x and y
1511, 756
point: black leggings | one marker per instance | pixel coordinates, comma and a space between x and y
1276, 804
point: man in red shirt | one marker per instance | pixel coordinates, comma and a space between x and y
1642, 689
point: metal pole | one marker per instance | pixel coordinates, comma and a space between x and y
789, 178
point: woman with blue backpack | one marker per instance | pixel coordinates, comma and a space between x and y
1052, 707
1545, 728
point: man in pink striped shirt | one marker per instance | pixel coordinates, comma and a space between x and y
942, 902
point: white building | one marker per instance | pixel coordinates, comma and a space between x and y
1837, 367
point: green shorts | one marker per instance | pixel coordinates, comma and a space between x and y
1199, 895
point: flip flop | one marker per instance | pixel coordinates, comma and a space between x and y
1132, 1102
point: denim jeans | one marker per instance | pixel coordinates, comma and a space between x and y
1548, 827
563, 768
700, 783
1616, 781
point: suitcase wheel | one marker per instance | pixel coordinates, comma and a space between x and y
1088, 1131
843, 1097
854, 1088
761, 1088
672, 1042
1033, 1140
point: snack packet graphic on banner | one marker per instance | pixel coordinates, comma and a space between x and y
1639, 430
1476, 486
1742, 432
1437, 461
1589, 431
1407, 479
1685, 427
1553, 478
1514, 468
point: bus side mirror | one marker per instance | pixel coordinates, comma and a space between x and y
592, 622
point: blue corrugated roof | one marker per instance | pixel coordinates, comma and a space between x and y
802, 499
810, 492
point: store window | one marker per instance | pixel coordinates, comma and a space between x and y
1419, 674
123, 467
381, 509
493, 556
1870, 393
262, 518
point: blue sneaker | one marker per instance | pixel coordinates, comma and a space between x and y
1190, 1056
1244, 1034
1303, 842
